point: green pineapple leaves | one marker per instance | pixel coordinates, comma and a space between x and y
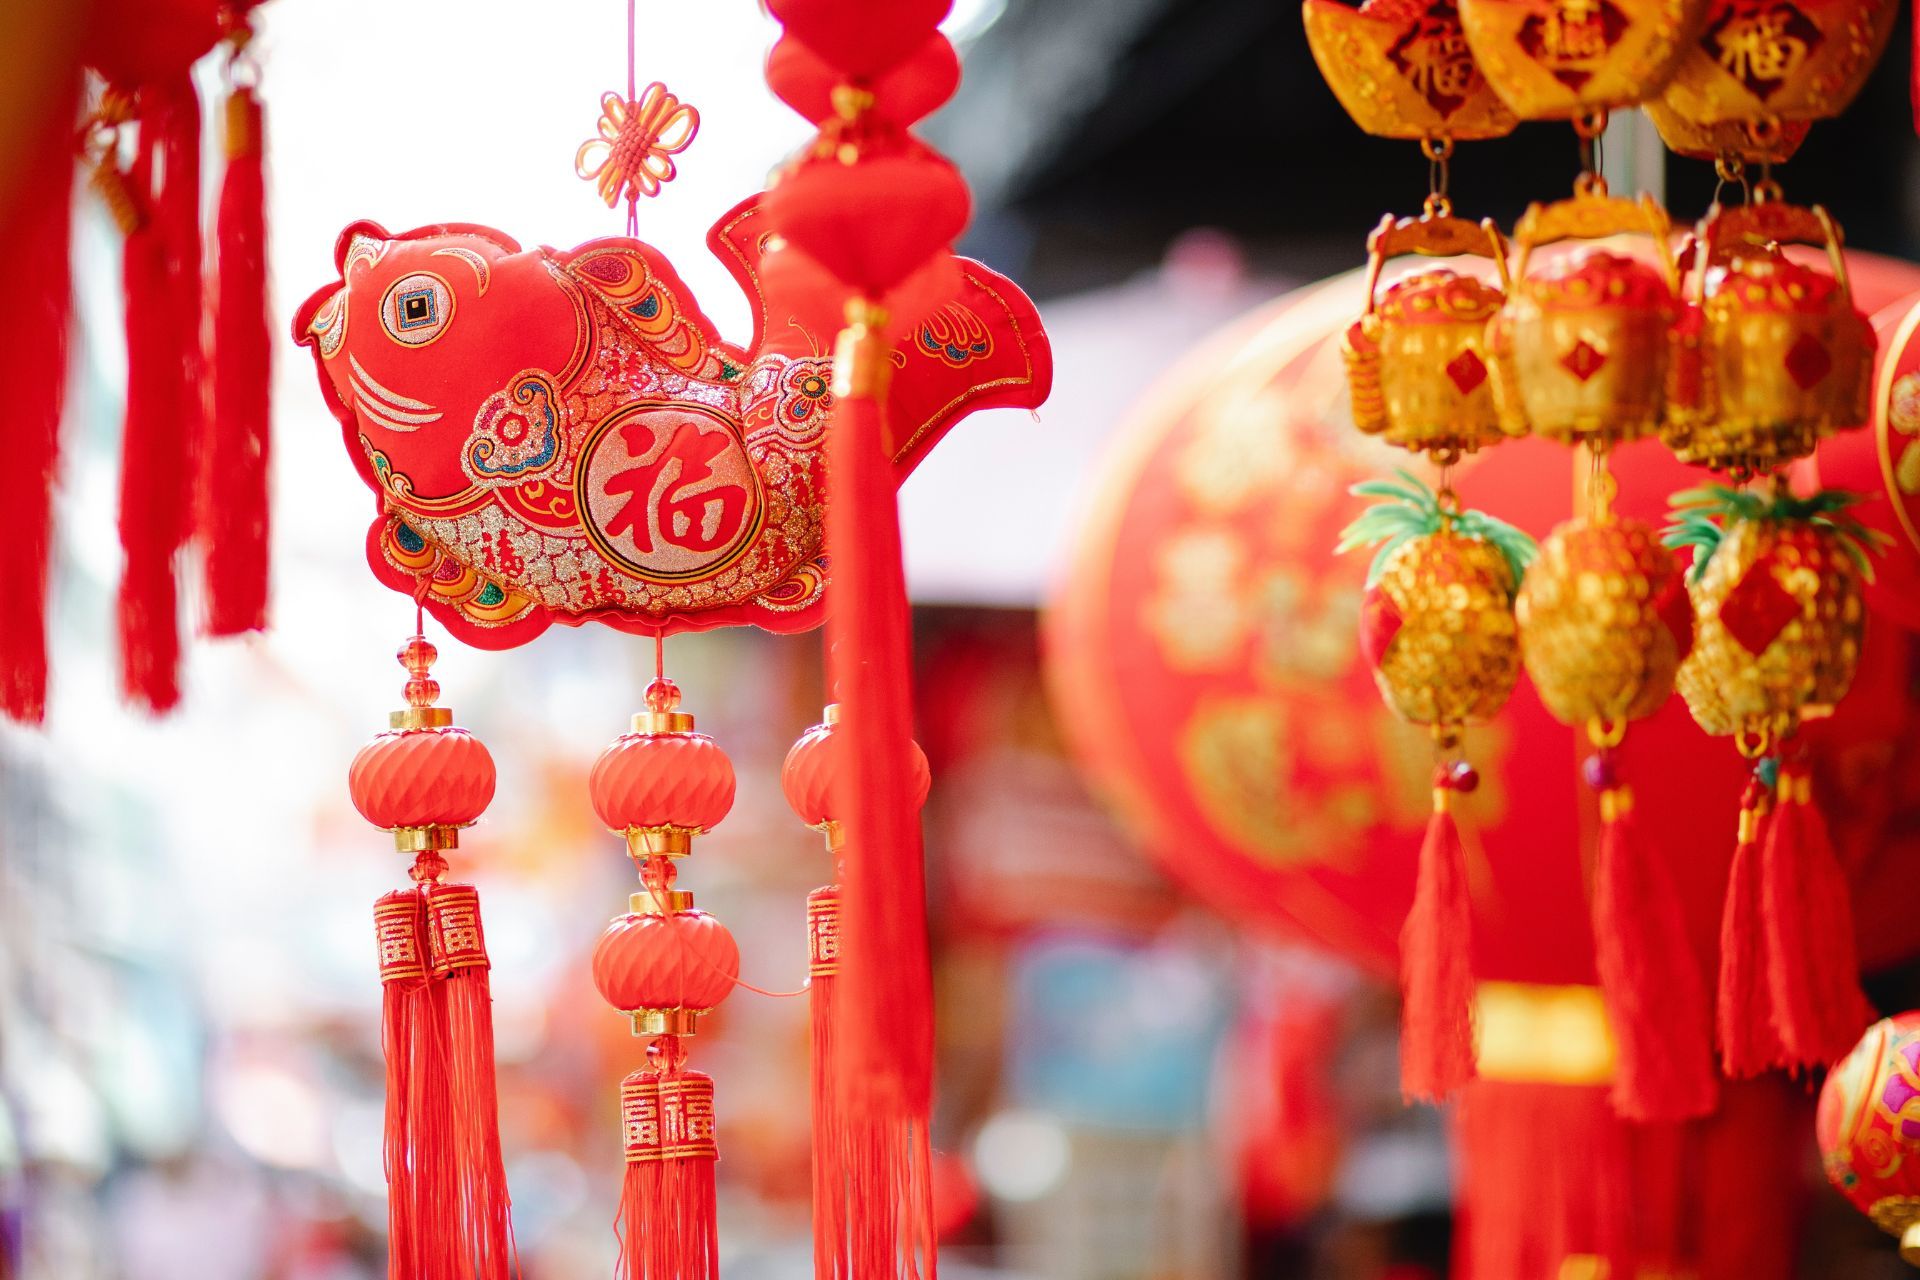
1701, 517
1408, 509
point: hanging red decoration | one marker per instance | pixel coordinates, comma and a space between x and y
664, 965
913, 89
447, 1207
872, 1182
860, 41
521, 415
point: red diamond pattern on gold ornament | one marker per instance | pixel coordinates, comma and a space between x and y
1756, 610
1808, 361
1467, 371
1584, 360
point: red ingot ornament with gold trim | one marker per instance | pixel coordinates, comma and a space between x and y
1773, 355
1556, 59
1868, 1127
1402, 69
1417, 363
564, 437
1779, 60
1581, 348
686, 960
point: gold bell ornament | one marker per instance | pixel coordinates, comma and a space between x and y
1581, 349
1773, 355
1776, 587
1438, 629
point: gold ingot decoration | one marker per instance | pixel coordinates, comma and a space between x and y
1581, 349
1778, 621
1402, 69
1416, 358
1455, 654
1559, 59
1772, 356
1753, 142
1779, 60
1604, 621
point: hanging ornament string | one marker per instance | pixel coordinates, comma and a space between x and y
638, 135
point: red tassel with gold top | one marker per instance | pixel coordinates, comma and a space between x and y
447, 1206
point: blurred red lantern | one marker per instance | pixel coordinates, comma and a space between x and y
914, 88
687, 960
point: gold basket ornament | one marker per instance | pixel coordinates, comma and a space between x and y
1402, 69
1581, 347
1562, 59
1416, 358
1772, 356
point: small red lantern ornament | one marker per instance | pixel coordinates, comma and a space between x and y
1869, 1128
447, 1206
864, 1167
664, 964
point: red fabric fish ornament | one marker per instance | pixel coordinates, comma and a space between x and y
563, 436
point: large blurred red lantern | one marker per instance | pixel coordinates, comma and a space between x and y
1869, 1128
1202, 656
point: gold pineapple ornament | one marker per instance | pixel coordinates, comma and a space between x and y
1437, 622
1778, 608
1773, 355
1604, 623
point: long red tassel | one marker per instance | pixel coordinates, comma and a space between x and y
1656, 1001
33, 332
399, 923
1807, 918
667, 1221
1436, 964
233, 501
888, 1030
483, 1231
830, 1260
1748, 1043
164, 393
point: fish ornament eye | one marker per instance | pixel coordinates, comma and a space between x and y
416, 309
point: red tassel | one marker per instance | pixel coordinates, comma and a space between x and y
1436, 967
1655, 998
164, 406
33, 332
887, 1024
1748, 1043
483, 1231
233, 467
872, 1175
667, 1224
1807, 918
418, 1154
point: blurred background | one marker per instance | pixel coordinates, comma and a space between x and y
1131, 1084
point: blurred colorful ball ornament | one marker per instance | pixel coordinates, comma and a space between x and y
1869, 1128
